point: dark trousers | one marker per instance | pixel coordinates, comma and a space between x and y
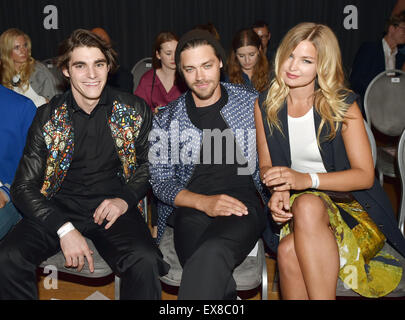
127, 247
209, 249
153, 206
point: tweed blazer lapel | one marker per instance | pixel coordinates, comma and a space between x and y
239, 116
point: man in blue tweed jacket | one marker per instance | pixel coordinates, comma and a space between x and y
204, 171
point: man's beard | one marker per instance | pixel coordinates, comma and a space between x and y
203, 94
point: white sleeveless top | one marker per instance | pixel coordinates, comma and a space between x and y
305, 154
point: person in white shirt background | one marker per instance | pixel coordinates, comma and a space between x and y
376, 56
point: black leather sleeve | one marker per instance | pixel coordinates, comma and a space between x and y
25, 190
138, 185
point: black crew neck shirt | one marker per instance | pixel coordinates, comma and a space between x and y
217, 172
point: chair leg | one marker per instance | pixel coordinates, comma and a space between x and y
276, 280
117, 287
381, 178
265, 295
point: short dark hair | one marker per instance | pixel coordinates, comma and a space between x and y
85, 38
260, 24
195, 38
210, 28
394, 21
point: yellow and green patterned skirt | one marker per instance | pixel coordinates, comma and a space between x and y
364, 267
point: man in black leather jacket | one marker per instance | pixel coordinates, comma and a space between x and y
83, 172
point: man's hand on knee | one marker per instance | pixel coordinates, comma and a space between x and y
215, 205
111, 210
223, 205
75, 249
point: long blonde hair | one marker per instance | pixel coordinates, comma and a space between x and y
329, 95
7, 67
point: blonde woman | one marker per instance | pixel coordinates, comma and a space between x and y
20, 72
315, 158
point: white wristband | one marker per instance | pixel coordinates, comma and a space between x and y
315, 180
67, 227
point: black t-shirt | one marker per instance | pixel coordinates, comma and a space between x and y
217, 172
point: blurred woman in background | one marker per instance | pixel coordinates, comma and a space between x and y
247, 63
21, 72
160, 85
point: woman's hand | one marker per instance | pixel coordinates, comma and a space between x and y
284, 178
279, 206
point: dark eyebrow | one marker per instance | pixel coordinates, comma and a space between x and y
101, 60
82, 62
209, 61
204, 63
77, 63
184, 67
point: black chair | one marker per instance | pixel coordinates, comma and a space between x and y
401, 167
62, 84
139, 70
